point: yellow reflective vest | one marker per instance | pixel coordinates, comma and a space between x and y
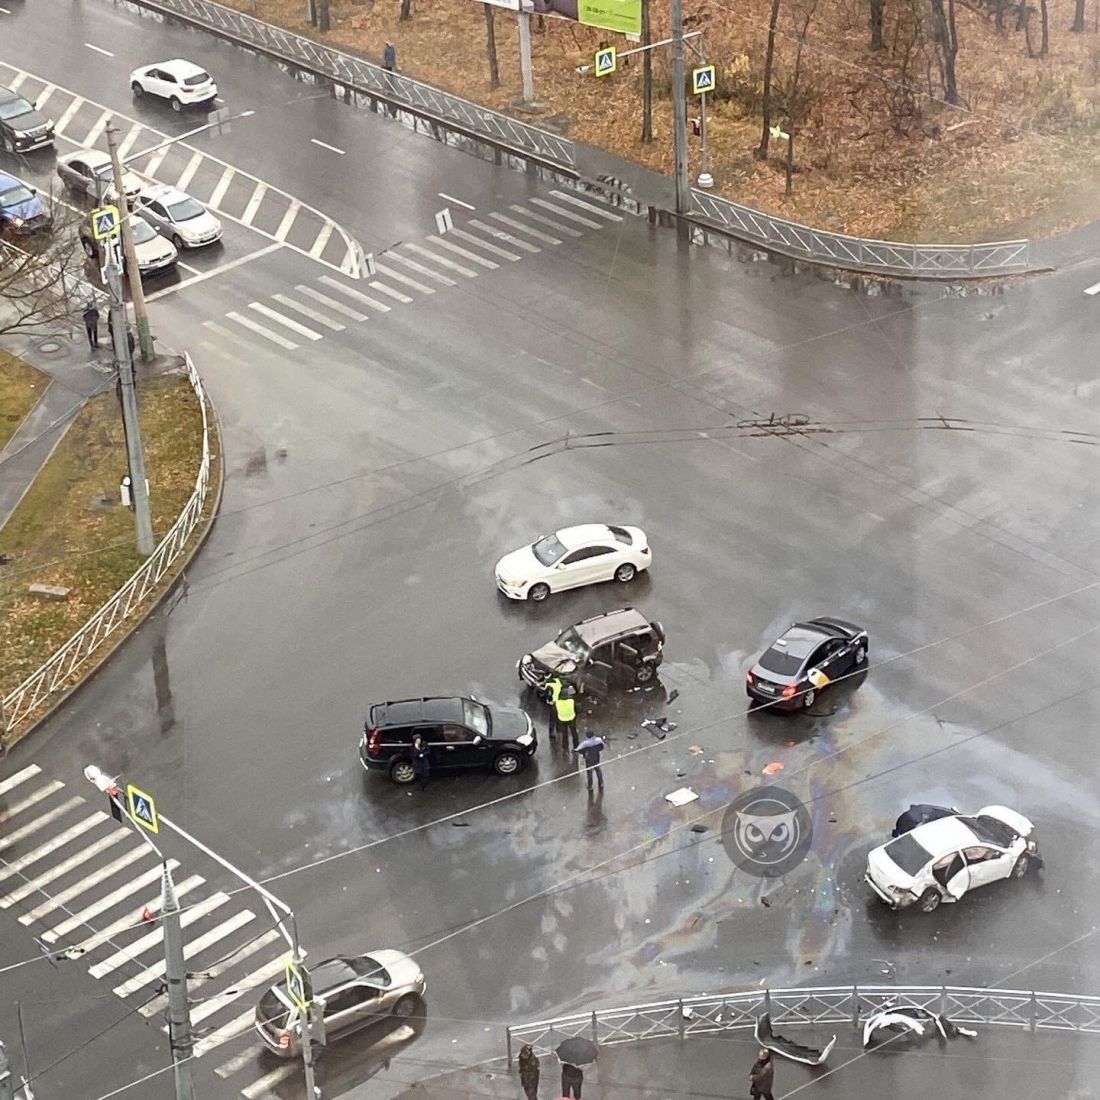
565, 707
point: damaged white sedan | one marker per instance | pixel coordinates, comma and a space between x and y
942, 860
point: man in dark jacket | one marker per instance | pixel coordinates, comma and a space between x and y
572, 1077
590, 750
529, 1071
761, 1077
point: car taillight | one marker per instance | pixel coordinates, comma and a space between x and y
374, 739
789, 690
284, 1040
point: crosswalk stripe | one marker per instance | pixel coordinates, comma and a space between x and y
383, 289
437, 259
500, 235
129, 921
63, 898
188, 174
129, 140
305, 311
254, 201
96, 131
321, 241
13, 781
478, 242
269, 970
67, 116
228, 1031
262, 1085
146, 943
288, 220
536, 233
31, 799
221, 187
51, 845
443, 243
389, 271
356, 295
562, 213
238, 1061
599, 211
17, 835
193, 948
339, 307
75, 920
568, 230
294, 326
421, 269
17, 81
43, 95
154, 162
263, 330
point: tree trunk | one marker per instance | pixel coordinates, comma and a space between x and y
1044, 28
491, 46
999, 15
943, 32
324, 21
647, 79
406, 10
1078, 17
765, 133
877, 7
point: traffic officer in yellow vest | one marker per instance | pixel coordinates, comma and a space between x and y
565, 711
552, 688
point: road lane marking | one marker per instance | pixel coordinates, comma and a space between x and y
254, 203
94, 134
288, 220
321, 241
240, 987
590, 207
29, 772
357, 296
67, 117
457, 202
82, 885
459, 250
263, 1085
127, 923
500, 235
238, 1061
568, 230
421, 269
188, 174
1094, 289
188, 267
215, 271
52, 815
129, 140
31, 799
261, 330
6, 11
294, 326
51, 845
339, 307
536, 233
17, 81
228, 1031
99, 49
561, 213
503, 253
221, 187
155, 160
330, 148
437, 259
43, 95
403, 279
305, 311
395, 294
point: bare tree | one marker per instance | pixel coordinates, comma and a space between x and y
491, 46
877, 9
647, 78
798, 95
947, 44
1044, 28
1078, 17
769, 59
42, 287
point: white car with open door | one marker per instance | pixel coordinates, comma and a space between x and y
942, 860
572, 557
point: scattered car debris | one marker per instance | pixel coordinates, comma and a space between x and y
674, 695
773, 767
796, 1052
681, 797
698, 828
893, 1021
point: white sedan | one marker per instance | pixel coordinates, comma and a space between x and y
180, 82
942, 860
572, 557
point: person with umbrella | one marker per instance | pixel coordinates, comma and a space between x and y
574, 1053
529, 1071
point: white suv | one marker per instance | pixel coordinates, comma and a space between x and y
182, 83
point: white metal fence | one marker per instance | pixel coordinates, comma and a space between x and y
56, 673
706, 1015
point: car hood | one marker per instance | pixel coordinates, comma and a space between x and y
885, 871
510, 723
32, 120
33, 207
404, 971
203, 224
1015, 821
554, 658
519, 565
153, 250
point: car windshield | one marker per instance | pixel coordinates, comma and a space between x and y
371, 971
908, 854
571, 642
141, 230
198, 78
185, 210
548, 549
15, 195
780, 661
476, 717
992, 829
14, 108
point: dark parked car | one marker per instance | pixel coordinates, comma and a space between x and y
22, 210
23, 127
805, 659
459, 732
615, 650
918, 814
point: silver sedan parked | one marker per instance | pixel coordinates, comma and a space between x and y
89, 172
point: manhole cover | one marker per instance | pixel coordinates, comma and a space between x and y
49, 346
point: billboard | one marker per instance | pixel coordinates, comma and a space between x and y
624, 16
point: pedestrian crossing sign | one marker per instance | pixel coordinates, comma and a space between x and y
702, 79
106, 223
606, 61
296, 985
142, 808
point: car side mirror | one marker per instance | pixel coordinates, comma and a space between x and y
34, 190
478, 739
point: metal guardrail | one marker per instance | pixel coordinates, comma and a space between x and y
56, 673
858, 253
706, 1015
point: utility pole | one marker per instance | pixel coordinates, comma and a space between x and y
175, 977
679, 103
137, 291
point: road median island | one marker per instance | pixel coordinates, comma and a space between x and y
70, 544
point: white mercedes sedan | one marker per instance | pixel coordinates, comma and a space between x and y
942, 860
572, 557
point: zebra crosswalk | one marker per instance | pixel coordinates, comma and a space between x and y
86, 887
411, 270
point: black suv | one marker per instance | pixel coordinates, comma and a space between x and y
617, 649
22, 126
460, 732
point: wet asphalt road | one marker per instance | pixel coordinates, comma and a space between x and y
374, 477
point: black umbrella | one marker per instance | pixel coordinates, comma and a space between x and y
577, 1051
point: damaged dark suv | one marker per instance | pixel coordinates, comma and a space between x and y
618, 649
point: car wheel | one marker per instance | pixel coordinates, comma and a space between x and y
89, 248
407, 1006
176, 105
403, 772
643, 674
137, 89
808, 699
506, 763
861, 653
177, 240
1021, 866
625, 573
930, 900
538, 592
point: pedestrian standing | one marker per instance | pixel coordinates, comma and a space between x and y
572, 1077
761, 1077
565, 711
389, 64
91, 325
591, 749
422, 760
529, 1071
552, 688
